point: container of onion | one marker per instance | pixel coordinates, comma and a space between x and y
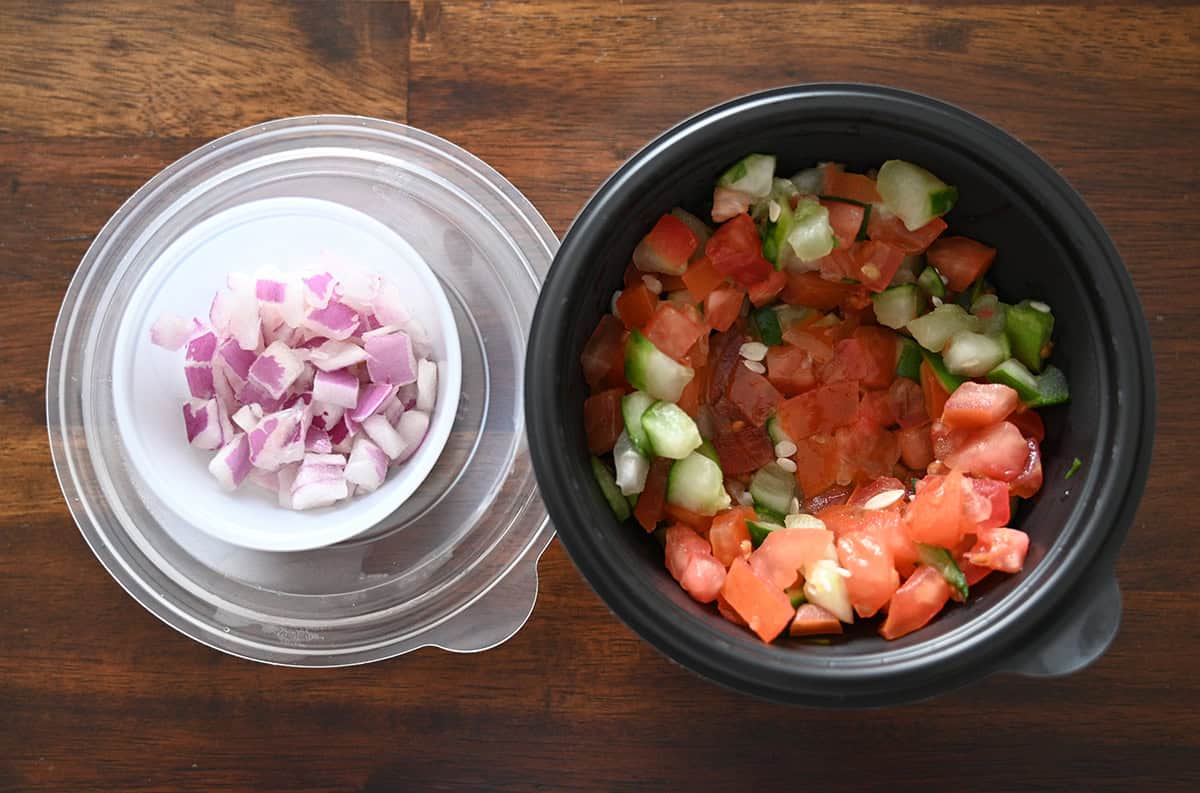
367, 282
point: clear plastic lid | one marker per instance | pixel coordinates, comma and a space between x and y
455, 565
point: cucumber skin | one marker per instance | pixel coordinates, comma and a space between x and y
632, 417
610, 491
949, 381
908, 362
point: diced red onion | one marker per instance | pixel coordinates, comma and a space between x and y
247, 417
408, 395
336, 321
279, 438
385, 436
320, 481
411, 428
389, 306
333, 354
231, 464
370, 398
171, 331
339, 388
237, 359
202, 424
368, 464
356, 287
393, 409
325, 415
249, 393
275, 369
318, 441
318, 289
270, 291
426, 385
390, 358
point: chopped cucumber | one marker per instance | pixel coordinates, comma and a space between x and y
931, 282
612, 494
810, 181
941, 560
775, 215
1028, 328
751, 175
825, 586
773, 488
759, 529
899, 305
697, 484
672, 432
708, 450
766, 320
949, 381
908, 363
1048, 388
974, 354
913, 193
632, 466
649, 369
934, 329
991, 313
811, 236
632, 407
776, 433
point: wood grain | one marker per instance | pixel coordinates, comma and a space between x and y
95, 694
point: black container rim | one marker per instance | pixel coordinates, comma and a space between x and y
1107, 498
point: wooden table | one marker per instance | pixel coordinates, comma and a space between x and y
96, 694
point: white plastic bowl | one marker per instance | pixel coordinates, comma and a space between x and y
287, 234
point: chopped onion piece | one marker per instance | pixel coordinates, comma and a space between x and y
370, 398
320, 481
412, 428
385, 436
279, 438
318, 289
336, 321
202, 424
247, 417
231, 464
333, 354
275, 369
317, 441
368, 464
336, 388
390, 358
171, 331
426, 385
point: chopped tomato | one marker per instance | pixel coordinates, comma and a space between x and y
790, 369
1029, 481
636, 306
602, 420
690, 562
633, 276
855, 186
813, 291
674, 328
908, 403
839, 264
701, 278
998, 452
697, 522
885, 525
854, 359
735, 250
765, 609
881, 345
692, 394
876, 407
743, 451
935, 393
816, 464
1029, 422
667, 248
724, 354
821, 410
753, 395
846, 220
873, 578
916, 602
1000, 549
960, 259
868, 490
726, 611
886, 227
877, 263
916, 447
603, 357
865, 451
934, 516
975, 405
996, 494
722, 306
812, 340
785, 552
766, 290
832, 496
649, 509
671, 283
812, 620
729, 535
729, 203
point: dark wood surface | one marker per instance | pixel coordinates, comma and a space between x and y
96, 694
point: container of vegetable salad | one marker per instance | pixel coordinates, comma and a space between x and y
847, 400
344, 274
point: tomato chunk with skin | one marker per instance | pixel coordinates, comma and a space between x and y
702, 278
821, 410
735, 250
753, 395
674, 328
636, 306
865, 451
886, 227
785, 552
649, 509
723, 355
908, 403
766, 290
868, 490
855, 186
1029, 423
722, 306
873, 578
916, 602
845, 219
790, 369
816, 464
690, 561
877, 263
693, 520
1029, 481
729, 535
1000, 549
813, 291
961, 259
667, 248
996, 494
603, 356
916, 447
976, 405
996, 452
935, 393
934, 516
877, 408
813, 620
602, 420
765, 609
743, 451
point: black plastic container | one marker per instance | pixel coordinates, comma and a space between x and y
1056, 616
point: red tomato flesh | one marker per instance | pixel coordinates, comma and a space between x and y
636, 306
821, 410
602, 420
603, 356
916, 602
667, 248
786, 551
766, 290
735, 250
960, 259
753, 395
886, 227
1000, 549
743, 451
722, 306
790, 370
729, 535
702, 278
846, 220
997, 452
674, 328
873, 577
976, 405
812, 620
765, 609
649, 509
